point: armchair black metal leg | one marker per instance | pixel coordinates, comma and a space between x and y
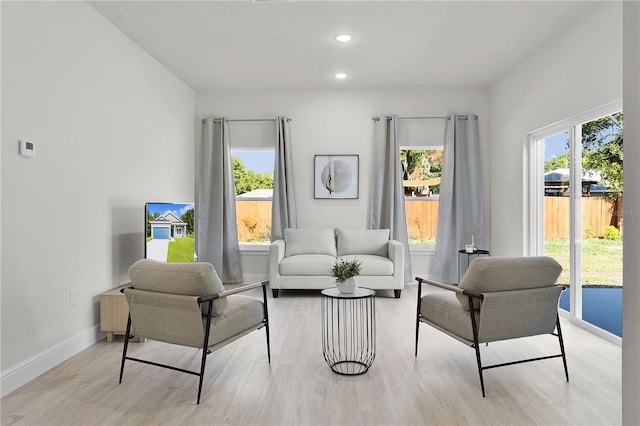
275, 292
564, 358
476, 344
479, 361
418, 317
127, 336
266, 320
205, 347
203, 364
417, 335
397, 293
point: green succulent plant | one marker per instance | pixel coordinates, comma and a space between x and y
344, 269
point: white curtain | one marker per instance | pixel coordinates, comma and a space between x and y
387, 192
283, 210
216, 229
460, 211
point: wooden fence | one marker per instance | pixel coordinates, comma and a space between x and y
254, 217
597, 214
254, 220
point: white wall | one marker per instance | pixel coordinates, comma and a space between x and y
112, 129
579, 70
340, 122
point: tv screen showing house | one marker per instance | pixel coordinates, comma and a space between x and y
169, 232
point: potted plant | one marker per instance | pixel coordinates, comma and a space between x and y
345, 271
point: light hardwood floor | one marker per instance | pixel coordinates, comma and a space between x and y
439, 386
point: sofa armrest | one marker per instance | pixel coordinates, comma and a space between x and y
276, 254
396, 255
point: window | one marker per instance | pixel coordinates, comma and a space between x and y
422, 171
253, 176
253, 156
576, 200
421, 154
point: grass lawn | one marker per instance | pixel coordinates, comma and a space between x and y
601, 261
181, 250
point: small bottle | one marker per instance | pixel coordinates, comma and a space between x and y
473, 244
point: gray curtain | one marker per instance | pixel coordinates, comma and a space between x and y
387, 192
460, 211
283, 210
216, 229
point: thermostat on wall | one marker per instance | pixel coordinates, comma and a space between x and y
27, 149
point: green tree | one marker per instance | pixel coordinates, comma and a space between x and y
602, 149
421, 164
248, 180
557, 162
187, 217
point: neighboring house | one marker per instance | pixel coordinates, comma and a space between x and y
167, 226
556, 183
256, 195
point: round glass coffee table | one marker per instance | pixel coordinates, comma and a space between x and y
349, 330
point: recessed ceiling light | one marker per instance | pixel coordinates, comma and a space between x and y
340, 75
343, 38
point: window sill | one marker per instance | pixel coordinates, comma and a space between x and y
422, 250
254, 248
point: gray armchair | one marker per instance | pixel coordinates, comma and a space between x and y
498, 298
186, 304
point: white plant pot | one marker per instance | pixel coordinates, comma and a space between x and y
347, 286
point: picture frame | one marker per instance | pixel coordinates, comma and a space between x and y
336, 176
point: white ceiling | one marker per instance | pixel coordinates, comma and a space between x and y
231, 45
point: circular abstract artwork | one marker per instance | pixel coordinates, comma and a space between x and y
336, 176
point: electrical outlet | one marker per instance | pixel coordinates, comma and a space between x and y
72, 297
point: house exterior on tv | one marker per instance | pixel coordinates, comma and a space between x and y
167, 226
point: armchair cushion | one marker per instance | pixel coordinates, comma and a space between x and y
309, 241
243, 313
191, 279
490, 274
441, 310
363, 241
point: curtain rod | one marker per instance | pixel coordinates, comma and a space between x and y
421, 118
245, 119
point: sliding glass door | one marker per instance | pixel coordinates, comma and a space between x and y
576, 200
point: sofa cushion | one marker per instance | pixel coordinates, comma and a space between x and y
191, 279
309, 241
372, 265
489, 274
307, 264
362, 241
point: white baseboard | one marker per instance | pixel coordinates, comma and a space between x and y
23, 373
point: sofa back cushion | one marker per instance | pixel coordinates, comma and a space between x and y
190, 279
363, 241
491, 274
309, 241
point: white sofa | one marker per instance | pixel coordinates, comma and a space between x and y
303, 259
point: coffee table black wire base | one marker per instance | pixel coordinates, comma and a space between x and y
348, 330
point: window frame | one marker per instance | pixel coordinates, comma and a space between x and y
534, 150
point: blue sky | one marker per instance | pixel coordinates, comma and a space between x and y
258, 160
176, 208
555, 145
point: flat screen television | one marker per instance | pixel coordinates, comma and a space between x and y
169, 235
